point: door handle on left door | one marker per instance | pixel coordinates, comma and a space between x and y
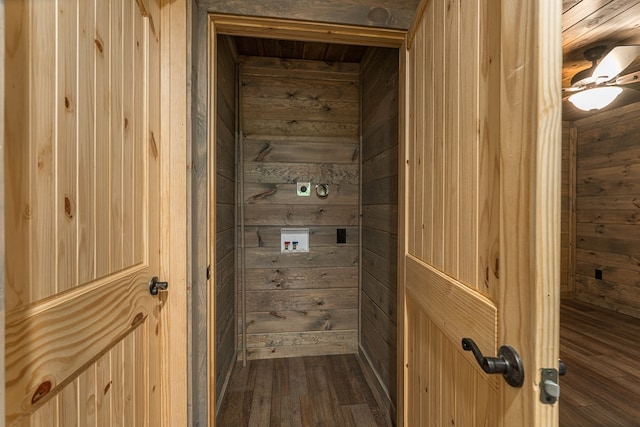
155, 285
508, 362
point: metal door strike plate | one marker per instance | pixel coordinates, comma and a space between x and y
549, 387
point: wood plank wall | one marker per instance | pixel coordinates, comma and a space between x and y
225, 280
81, 117
377, 13
608, 209
300, 122
567, 214
378, 320
452, 200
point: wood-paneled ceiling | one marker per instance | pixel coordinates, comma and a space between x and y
291, 49
589, 23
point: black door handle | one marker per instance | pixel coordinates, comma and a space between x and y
508, 362
155, 286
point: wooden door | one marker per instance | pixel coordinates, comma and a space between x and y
82, 213
481, 252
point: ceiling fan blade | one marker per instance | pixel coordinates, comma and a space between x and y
574, 88
619, 58
628, 78
582, 83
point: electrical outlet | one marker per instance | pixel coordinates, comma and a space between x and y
341, 235
598, 274
304, 189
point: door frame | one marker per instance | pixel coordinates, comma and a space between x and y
2, 208
283, 29
175, 194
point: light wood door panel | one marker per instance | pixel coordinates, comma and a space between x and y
482, 209
83, 191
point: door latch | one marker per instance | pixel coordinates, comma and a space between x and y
508, 362
549, 386
155, 286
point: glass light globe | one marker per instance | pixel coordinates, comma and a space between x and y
595, 98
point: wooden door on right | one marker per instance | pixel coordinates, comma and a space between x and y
481, 201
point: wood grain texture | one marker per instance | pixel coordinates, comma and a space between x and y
607, 212
530, 192
86, 91
591, 336
3, 206
312, 147
568, 208
321, 390
428, 348
343, 18
225, 231
172, 28
479, 173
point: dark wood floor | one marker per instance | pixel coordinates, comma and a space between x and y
306, 391
601, 350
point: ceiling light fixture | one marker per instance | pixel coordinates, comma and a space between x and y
595, 98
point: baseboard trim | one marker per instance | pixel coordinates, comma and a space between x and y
380, 392
223, 391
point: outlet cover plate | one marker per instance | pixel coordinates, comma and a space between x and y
304, 189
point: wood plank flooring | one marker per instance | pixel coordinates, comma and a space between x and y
303, 391
601, 350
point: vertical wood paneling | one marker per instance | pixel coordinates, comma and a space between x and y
45, 416
418, 156
441, 68
86, 116
66, 145
428, 127
116, 163
469, 126
103, 140
488, 202
17, 155
80, 121
452, 154
87, 402
81, 130
466, 397
299, 125
456, 198
607, 209
567, 206
3, 206
140, 128
129, 11
43, 108
117, 384
104, 394
69, 405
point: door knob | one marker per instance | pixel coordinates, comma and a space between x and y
508, 362
155, 286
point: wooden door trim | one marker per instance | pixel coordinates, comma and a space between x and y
175, 155
530, 158
2, 208
273, 28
